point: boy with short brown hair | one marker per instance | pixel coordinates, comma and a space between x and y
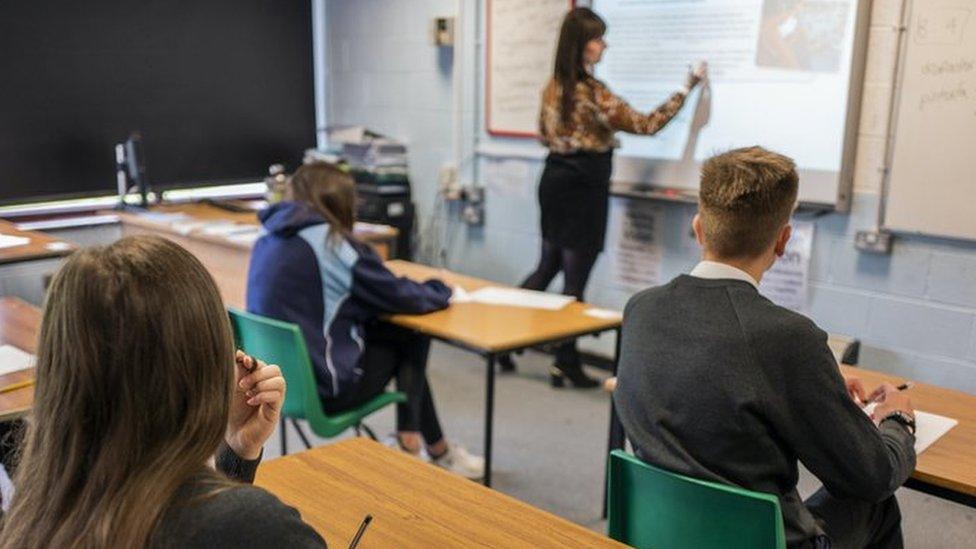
717, 382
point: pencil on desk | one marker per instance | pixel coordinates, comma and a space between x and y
15, 386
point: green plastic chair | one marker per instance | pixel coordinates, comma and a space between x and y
650, 507
282, 343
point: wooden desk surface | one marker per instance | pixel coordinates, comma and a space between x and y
20, 323
209, 212
39, 247
493, 328
413, 504
951, 461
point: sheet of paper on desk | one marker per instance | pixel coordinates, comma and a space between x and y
13, 359
363, 227
246, 238
928, 427
514, 297
10, 241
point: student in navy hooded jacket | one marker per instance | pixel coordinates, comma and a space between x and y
309, 270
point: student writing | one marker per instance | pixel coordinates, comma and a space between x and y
717, 382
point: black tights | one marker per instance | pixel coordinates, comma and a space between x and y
575, 266
395, 353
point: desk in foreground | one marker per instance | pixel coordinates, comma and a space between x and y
413, 504
946, 469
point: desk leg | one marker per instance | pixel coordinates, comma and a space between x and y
489, 414
615, 438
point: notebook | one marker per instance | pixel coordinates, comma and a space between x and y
13, 359
928, 427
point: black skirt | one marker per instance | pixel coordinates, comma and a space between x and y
574, 199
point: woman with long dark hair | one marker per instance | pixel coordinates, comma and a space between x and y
577, 122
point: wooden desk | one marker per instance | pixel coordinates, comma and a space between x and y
413, 504
41, 246
226, 259
947, 469
20, 323
489, 330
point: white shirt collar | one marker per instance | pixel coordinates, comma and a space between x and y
714, 270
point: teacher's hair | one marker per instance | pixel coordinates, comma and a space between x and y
579, 27
135, 367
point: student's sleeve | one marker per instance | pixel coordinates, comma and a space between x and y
830, 433
621, 116
375, 285
235, 467
245, 517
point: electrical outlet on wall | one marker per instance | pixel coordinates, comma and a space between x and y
875, 242
448, 182
473, 212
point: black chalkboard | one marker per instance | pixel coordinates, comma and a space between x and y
219, 89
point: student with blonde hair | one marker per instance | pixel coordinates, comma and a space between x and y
146, 428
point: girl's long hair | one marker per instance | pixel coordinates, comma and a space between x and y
134, 380
579, 27
331, 192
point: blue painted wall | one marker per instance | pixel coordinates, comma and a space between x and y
915, 310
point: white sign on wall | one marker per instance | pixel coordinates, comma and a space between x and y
634, 242
787, 283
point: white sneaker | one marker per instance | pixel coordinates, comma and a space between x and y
458, 461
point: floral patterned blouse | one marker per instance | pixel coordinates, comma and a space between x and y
597, 115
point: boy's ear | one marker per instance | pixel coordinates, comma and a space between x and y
783, 239
696, 226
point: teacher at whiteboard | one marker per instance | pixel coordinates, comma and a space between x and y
577, 123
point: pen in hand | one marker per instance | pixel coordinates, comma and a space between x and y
902, 387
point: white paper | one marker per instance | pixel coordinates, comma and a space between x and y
13, 359
787, 283
928, 427
227, 229
460, 295
363, 227
605, 314
246, 238
10, 241
514, 297
634, 239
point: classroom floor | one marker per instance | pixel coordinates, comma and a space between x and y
549, 446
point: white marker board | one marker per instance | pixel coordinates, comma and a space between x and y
931, 185
784, 74
522, 37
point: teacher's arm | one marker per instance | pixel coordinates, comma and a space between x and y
622, 117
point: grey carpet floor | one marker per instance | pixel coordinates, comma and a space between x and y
549, 446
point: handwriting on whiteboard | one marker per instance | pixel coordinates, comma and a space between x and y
941, 25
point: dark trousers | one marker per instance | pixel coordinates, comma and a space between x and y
575, 266
394, 352
858, 524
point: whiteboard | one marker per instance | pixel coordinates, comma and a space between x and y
783, 74
931, 186
522, 37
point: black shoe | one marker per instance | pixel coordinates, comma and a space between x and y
506, 364
558, 375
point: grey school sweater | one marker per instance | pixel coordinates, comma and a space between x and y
243, 516
716, 382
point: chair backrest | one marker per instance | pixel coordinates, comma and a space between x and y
281, 343
650, 507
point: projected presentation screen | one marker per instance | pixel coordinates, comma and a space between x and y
783, 74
